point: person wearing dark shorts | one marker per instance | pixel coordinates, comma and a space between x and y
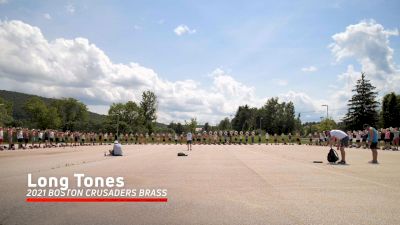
372, 142
189, 140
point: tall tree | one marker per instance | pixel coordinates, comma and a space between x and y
42, 116
390, 114
225, 124
125, 118
74, 114
149, 109
207, 126
245, 118
362, 107
191, 125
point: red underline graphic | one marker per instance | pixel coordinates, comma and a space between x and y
96, 199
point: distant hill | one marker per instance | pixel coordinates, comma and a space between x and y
19, 99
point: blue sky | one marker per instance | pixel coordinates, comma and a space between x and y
261, 45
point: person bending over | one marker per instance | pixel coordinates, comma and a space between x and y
342, 140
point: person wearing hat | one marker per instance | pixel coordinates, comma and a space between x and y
117, 149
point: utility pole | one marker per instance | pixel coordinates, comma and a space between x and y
327, 110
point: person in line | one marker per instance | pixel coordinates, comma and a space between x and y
342, 140
1, 138
396, 139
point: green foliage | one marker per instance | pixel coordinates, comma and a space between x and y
278, 117
73, 114
326, 124
5, 112
390, 114
362, 107
41, 116
245, 119
176, 127
125, 118
20, 117
274, 117
207, 127
191, 125
148, 106
225, 124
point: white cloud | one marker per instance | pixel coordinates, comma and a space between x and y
3, 1
280, 82
70, 8
309, 69
47, 16
77, 68
368, 43
183, 29
309, 107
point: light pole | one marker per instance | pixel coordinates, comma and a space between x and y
230, 122
260, 123
117, 114
327, 110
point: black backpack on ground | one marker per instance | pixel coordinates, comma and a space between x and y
181, 154
332, 156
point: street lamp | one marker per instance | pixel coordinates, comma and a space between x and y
260, 123
327, 115
117, 114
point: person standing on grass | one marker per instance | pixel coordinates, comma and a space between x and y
342, 140
189, 140
266, 138
372, 142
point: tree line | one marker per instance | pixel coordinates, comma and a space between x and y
73, 115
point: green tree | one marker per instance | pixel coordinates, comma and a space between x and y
149, 109
125, 118
362, 107
191, 125
207, 127
42, 116
225, 124
390, 113
245, 118
74, 114
5, 112
327, 124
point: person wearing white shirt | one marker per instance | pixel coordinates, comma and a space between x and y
342, 140
189, 140
117, 149
1, 138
